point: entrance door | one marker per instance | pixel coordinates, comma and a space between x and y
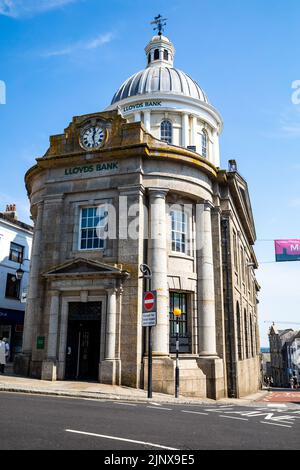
83, 341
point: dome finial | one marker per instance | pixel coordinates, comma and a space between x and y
160, 22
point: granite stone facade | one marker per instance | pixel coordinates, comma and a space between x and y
84, 308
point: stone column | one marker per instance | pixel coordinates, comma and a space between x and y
33, 293
216, 148
163, 365
158, 264
108, 369
111, 321
206, 289
194, 132
137, 117
147, 120
209, 362
185, 130
49, 365
22, 361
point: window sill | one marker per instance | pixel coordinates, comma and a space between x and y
89, 250
174, 254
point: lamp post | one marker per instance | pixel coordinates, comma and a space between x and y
147, 275
177, 313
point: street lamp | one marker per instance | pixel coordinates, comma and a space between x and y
20, 272
177, 313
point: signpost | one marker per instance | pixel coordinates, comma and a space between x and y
149, 318
177, 313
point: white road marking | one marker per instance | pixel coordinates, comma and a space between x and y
103, 436
277, 405
126, 404
194, 412
274, 424
234, 417
160, 408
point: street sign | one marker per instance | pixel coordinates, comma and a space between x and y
149, 309
149, 319
24, 296
149, 301
40, 342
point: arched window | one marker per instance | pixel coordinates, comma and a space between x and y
149, 58
166, 55
156, 54
246, 333
239, 332
166, 131
251, 338
204, 143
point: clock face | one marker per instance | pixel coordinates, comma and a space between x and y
93, 137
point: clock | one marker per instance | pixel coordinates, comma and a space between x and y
92, 137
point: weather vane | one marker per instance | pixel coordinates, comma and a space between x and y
160, 22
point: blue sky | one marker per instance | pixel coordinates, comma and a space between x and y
61, 58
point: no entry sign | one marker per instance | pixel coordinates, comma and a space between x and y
149, 309
149, 301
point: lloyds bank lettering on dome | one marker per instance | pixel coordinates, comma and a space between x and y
144, 104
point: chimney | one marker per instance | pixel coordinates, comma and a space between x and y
11, 211
232, 166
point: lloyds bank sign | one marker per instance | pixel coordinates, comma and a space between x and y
142, 105
99, 168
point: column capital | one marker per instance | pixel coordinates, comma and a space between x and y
208, 205
158, 192
113, 291
54, 293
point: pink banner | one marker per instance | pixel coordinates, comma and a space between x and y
287, 250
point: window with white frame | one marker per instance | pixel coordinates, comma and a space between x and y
179, 229
204, 141
93, 222
166, 131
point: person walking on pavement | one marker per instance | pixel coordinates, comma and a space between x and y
292, 382
2, 356
295, 382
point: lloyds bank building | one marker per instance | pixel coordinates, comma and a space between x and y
141, 182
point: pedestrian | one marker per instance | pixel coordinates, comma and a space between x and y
2, 356
292, 382
295, 382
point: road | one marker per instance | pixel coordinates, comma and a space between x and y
40, 422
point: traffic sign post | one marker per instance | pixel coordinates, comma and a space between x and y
177, 313
149, 318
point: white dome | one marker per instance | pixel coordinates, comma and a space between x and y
160, 79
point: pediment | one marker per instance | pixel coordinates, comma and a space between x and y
82, 266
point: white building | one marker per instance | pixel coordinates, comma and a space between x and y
15, 249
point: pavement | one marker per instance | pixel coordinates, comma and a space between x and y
94, 390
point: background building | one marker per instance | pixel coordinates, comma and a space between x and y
152, 157
285, 355
266, 370
15, 248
